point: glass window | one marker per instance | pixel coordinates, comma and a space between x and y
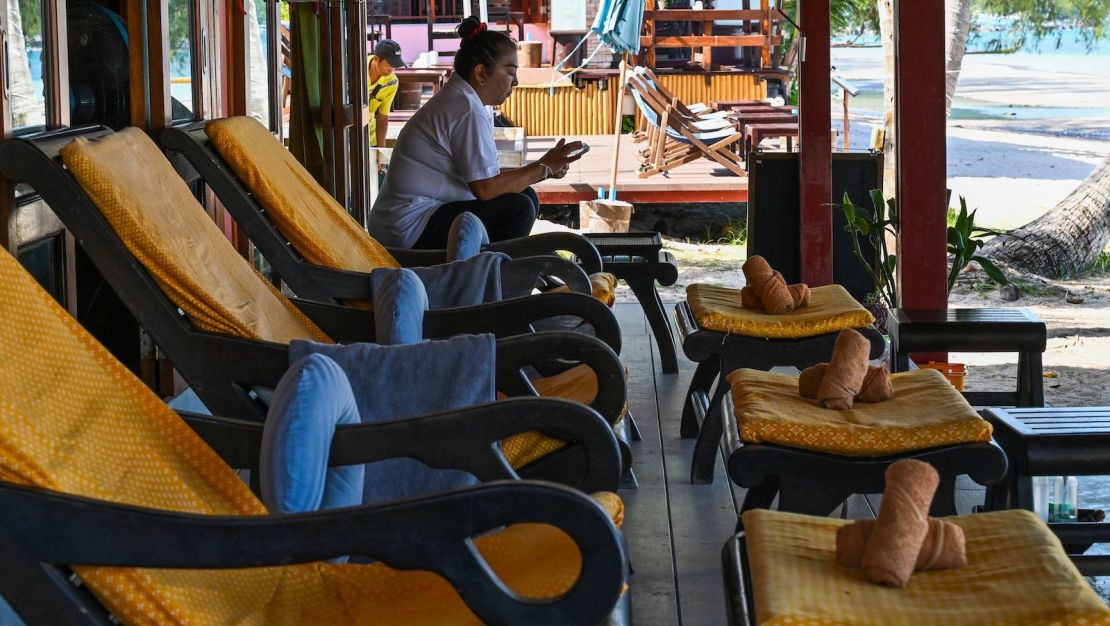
258, 62
182, 88
25, 39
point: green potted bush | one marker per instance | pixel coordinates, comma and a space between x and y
881, 225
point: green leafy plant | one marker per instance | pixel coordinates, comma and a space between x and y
964, 241
875, 227
881, 224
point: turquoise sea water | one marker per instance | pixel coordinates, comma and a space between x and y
1070, 58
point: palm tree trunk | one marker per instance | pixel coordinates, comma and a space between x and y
1067, 239
886, 33
957, 23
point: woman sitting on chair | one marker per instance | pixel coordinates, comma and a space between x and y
445, 161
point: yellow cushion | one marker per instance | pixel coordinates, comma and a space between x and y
579, 383
1017, 574
164, 227
926, 412
831, 309
73, 419
319, 229
604, 287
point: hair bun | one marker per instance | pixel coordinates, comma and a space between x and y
469, 28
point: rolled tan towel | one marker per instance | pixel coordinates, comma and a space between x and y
749, 299
877, 386
846, 371
944, 546
770, 288
809, 381
799, 293
891, 552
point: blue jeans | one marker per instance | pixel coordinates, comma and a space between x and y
507, 216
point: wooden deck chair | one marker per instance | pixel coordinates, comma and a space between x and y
226, 329
306, 235
670, 130
113, 510
782, 570
704, 117
696, 112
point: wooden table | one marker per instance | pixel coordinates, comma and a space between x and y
431, 75
976, 330
757, 132
766, 116
639, 260
722, 105
1054, 442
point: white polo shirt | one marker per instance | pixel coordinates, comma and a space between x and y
447, 144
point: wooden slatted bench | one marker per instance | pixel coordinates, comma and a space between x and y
1056, 441
976, 330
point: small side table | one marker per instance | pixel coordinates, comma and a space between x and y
639, 260
976, 330
1053, 442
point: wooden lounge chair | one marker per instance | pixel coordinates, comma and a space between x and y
782, 570
674, 141
780, 445
113, 510
306, 250
227, 330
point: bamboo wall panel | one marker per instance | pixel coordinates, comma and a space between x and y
592, 111
569, 111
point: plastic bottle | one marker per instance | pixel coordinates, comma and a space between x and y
1041, 498
612, 193
1055, 496
601, 193
1068, 506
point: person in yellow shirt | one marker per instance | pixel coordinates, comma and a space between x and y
382, 84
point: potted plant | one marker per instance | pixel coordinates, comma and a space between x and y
879, 227
876, 227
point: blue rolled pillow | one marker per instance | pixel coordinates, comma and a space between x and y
311, 400
399, 304
466, 237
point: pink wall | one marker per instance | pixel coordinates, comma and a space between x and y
413, 39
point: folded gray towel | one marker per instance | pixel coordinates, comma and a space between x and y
463, 283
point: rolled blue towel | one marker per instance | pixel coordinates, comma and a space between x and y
310, 401
468, 235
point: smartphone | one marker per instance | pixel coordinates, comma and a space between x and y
579, 152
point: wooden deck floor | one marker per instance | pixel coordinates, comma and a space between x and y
700, 181
675, 530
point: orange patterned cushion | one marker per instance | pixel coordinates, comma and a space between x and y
320, 230
926, 412
831, 309
1017, 574
165, 228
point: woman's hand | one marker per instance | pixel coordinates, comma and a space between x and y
558, 159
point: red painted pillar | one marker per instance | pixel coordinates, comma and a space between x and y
814, 160
920, 147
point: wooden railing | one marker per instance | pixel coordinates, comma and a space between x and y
763, 24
